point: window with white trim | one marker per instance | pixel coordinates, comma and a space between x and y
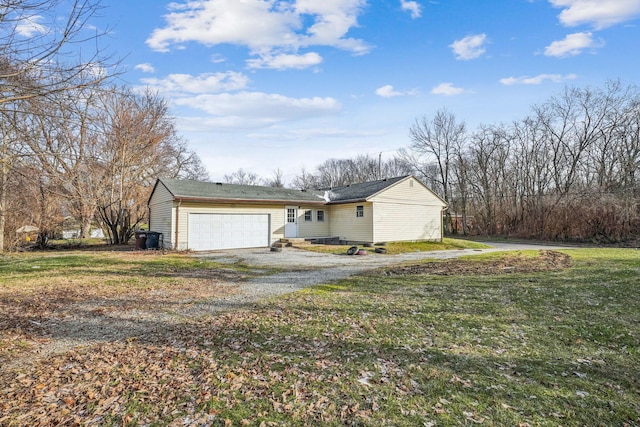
308, 215
320, 216
359, 211
291, 216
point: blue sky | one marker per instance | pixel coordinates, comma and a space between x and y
266, 84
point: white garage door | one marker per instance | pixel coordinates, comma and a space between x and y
228, 231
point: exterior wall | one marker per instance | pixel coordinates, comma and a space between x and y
276, 215
313, 228
407, 211
343, 222
161, 214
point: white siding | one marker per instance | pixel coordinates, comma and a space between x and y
161, 214
344, 224
313, 228
407, 211
212, 231
275, 212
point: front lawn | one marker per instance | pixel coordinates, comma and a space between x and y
400, 346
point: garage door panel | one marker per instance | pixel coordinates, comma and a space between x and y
228, 231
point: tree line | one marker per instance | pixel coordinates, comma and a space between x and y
72, 142
566, 171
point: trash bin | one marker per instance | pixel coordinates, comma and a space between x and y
141, 238
153, 240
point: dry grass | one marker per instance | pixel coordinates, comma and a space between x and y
554, 347
44, 289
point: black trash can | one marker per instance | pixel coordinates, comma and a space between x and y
141, 238
153, 240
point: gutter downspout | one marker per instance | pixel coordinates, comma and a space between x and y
444, 208
175, 246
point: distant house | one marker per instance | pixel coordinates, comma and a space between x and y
210, 216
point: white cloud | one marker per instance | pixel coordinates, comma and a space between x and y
413, 7
572, 45
536, 80
470, 47
332, 21
145, 68
309, 133
29, 26
447, 89
256, 109
388, 91
285, 61
210, 22
262, 26
203, 83
598, 13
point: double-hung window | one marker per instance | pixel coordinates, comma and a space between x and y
308, 216
359, 211
320, 216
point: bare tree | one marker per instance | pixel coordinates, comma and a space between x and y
178, 161
434, 143
243, 177
12, 154
37, 61
136, 132
305, 181
276, 179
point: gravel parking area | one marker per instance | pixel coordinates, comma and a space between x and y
92, 319
305, 268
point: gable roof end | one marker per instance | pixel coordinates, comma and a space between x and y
361, 192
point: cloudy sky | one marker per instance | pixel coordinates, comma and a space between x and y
266, 84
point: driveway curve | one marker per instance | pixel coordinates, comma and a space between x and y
305, 268
86, 323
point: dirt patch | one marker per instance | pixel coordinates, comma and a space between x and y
546, 260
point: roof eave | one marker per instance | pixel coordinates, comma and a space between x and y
339, 202
256, 201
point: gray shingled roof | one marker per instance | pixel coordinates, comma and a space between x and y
189, 189
359, 192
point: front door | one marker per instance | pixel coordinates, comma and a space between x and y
291, 224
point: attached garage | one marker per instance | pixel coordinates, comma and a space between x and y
227, 231
206, 216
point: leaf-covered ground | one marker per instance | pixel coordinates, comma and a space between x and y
558, 347
515, 262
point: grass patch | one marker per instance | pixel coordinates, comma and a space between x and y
402, 247
525, 349
29, 267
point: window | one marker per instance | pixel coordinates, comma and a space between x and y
320, 216
308, 216
359, 211
291, 216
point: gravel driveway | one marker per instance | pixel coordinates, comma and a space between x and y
84, 322
305, 268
